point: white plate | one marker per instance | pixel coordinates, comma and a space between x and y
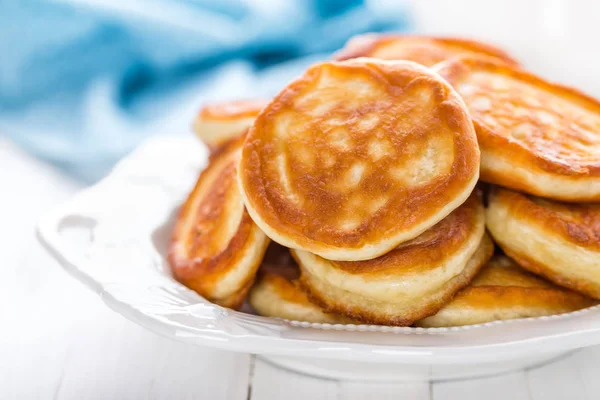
112, 237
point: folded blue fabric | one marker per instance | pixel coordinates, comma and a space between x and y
83, 82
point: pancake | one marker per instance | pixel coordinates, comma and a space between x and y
536, 137
356, 157
218, 123
216, 248
276, 293
502, 290
410, 282
422, 49
559, 241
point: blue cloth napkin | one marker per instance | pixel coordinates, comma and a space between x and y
82, 82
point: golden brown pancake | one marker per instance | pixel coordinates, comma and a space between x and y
356, 157
422, 49
535, 136
502, 290
276, 293
218, 123
410, 282
216, 248
559, 241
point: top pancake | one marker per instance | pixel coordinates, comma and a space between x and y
216, 248
422, 49
218, 123
356, 157
535, 136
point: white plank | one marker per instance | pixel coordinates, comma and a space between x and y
587, 363
35, 334
271, 383
113, 358
556, 381
384, 391
32, 342
510, 386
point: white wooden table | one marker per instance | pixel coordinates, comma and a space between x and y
58, 340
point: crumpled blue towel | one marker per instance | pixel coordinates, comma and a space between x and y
82, 82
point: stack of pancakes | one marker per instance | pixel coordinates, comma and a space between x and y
352, 196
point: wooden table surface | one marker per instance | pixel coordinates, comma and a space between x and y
59, 341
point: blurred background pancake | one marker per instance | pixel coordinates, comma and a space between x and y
276, 293
216, 248
356, 157
426, 50
218, 123
535, 136
409, 283
560, 241
502, 290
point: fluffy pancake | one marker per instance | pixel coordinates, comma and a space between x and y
536, 137
355, 157
216, 248
410, 282
276, 293
503, 290
556, 240
218, 123
422, 49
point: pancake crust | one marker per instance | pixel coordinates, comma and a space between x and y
355, 157
276, 293
536, 137
422, 49
218, 123
556, 240
502, 290
410, 282
216, 248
